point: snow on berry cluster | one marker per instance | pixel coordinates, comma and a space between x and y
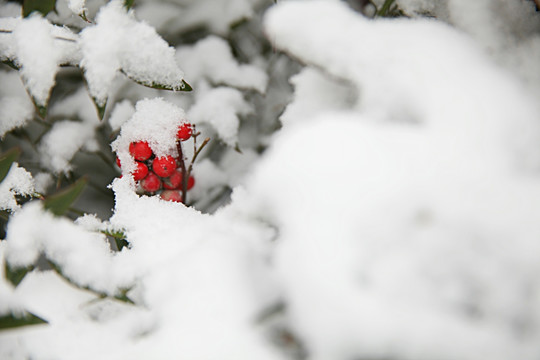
149, 148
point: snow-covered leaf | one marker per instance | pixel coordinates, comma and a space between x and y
36, 55
118, 42
17, 182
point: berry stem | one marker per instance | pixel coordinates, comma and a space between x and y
197, 152
183, 169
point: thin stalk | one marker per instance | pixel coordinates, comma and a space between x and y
383, 11
183, 168
197, 152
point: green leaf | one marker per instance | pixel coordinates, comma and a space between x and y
128, 3
41, 110
42, 6
10, 321
121, 243
10, 63
60, 202
184, 86
6, 159
100, 108
123, 296
16, 275
119, 238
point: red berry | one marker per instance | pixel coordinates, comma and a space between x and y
151, 182
118, 163
141, 171
171, 195
174, 181
164, 166
190, 182
140, 150
184, 131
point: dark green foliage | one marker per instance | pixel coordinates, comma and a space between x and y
6, 159
389, 9
16, 275
10, 321
60, 202
184, 86
42, 6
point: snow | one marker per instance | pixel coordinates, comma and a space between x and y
77, 6
10, 9
211, 59
15, 107
121, 113
423, 87
220, 107
394, 214
174, 266
36, 56
216, 15
64, 140
451, 247
67, 137
309, 84
17, 182
54, 237
506, 29
118, 42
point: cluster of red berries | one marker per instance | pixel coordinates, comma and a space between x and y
160, 173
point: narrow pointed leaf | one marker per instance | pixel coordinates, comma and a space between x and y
10, 321
6, 159
42, 6
187, 87
184, 86
100, 108
11, 64
16, 275
123, 296
119, 238
128, 3
60, 202
41, 110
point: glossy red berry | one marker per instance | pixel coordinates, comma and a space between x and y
174, 181
184, 131
151, 182
140, 150
140, 172
171, 195
190, 182
164, 166
118, 163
